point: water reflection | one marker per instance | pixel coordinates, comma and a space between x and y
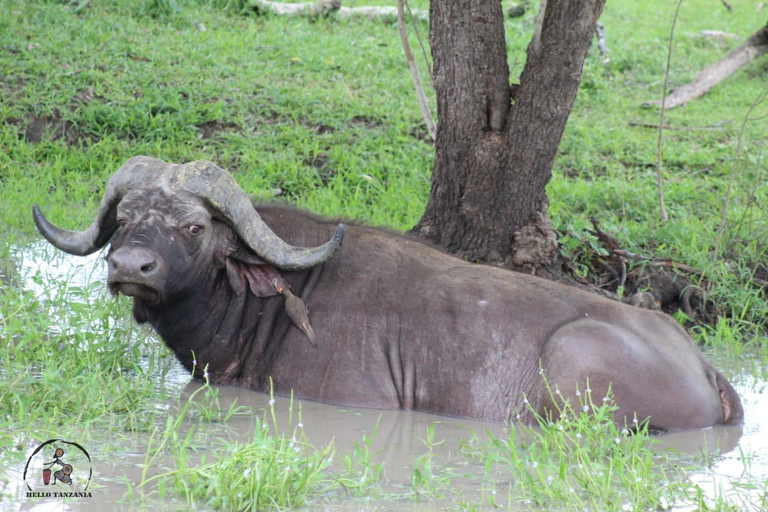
738, 454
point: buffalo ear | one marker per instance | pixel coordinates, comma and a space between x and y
262, 278
235, 262
235, 276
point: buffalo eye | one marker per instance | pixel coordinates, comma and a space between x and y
122, 222
194, 229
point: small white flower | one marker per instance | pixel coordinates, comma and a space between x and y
585, 408
517, 416
624, 432
264, 426
606, 399
634, 420
541, 371
557, 391
578, 393
578, 435
600, 473
194, 362
271, 401
293, 439
493, 492
549, 479
246, 472
362, 479
534, 464
617, 440
560, 427
206, 374
588, 390
525, 401
288, 468
300, 425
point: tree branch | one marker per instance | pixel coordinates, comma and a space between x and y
752, 48
333, 7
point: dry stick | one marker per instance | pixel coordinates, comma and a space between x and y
727, 5
659, 186
420, 96
724, 216
716, 126
657, 262
421, 43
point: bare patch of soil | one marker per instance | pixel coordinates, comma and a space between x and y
420, 132
321, 162
210, 129
52, 128
366, 122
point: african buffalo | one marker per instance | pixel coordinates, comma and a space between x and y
398, 324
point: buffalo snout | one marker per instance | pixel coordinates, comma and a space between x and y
136, 272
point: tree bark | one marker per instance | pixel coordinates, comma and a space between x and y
494, 152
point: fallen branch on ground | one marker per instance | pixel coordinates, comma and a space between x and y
716, 126
752, 48
333, 7
656, 262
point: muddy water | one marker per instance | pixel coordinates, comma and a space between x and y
738, 455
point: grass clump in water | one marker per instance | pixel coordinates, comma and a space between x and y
360, 475
580, 458
274, 469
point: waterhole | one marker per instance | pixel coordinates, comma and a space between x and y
730, 462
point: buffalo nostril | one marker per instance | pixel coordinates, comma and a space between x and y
148, 267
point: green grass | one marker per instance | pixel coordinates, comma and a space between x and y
322, 114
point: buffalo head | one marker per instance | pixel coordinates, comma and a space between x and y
167, 223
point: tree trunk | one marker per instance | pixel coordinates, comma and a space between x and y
494, 148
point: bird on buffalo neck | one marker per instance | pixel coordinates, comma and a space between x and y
297, 312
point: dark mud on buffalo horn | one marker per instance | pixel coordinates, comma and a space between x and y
217, 187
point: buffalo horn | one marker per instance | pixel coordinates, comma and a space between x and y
217, 187
80, 243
